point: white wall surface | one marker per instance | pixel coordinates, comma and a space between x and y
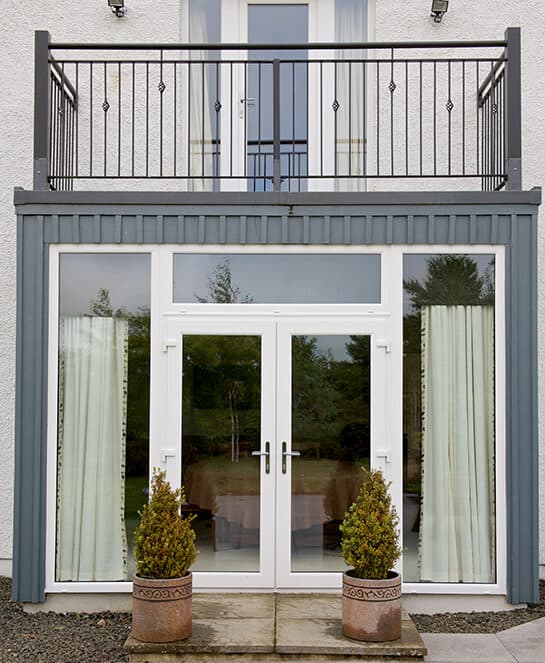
90, 21
159, 22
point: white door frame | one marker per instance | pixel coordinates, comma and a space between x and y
176, 327
275, 498
234, 29
382, 455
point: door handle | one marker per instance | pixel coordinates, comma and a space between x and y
286, 453
384, 453
267, 454
245, 101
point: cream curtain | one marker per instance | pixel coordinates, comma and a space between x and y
91, 540
200, 124
350, 26
457, 512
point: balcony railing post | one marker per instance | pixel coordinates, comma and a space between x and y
277, 182
41, 109
513, 152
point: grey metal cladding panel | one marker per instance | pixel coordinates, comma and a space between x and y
30, 467
358, 228
522, 441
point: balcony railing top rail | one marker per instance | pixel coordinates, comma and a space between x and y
295, 117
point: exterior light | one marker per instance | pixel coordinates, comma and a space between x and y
117, 7
438, 8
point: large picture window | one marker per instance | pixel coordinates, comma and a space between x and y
103, 412
449, 439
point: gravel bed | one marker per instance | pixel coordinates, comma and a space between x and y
48, 637
480, 622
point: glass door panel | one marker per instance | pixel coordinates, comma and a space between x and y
218, 443
277, 24
221, 429
331, 414
331, 430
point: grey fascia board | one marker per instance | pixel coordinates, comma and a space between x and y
237, 198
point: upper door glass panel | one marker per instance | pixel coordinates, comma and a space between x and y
274, 278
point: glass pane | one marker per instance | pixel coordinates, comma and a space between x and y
277, 24
331, 400
221, 423
277, 279
448, 419
103, 419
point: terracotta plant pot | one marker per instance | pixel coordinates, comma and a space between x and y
372, 608
161, 609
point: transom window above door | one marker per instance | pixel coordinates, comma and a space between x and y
270, 278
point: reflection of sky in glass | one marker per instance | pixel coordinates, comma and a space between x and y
334, 345
415, 267
125, 275
290, 279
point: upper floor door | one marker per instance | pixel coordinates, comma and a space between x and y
286, 118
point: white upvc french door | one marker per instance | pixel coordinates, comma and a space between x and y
219, 452
319, 473
267, 424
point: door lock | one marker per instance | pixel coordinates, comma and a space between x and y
286, 453
267, 454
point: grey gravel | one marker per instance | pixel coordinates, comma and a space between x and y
480, 622
48, 637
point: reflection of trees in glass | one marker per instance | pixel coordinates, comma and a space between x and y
138, 378
450, 280
222, 384
330, 398
223, 364
221, 289
314, 397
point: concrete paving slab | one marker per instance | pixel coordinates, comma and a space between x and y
225, 636
465, 648
526, 642
233, 606
299, 606
324, 637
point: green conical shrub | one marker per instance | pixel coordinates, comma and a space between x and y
164, 541
370, 530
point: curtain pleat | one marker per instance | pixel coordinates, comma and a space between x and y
457, 512
91, 539
200, 125
350, 20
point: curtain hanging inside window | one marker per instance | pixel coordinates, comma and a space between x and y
200, 126
350, 26
91, 539
457, 512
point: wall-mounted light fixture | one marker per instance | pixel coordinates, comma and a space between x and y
118, 7
438, 8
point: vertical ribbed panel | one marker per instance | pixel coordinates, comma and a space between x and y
328, 228
30, 425
409, 225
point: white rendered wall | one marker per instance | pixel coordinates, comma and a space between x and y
90, 21
159, 22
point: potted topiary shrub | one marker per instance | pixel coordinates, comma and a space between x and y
370, 545
164, 549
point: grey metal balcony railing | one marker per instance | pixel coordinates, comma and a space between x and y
277, 117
